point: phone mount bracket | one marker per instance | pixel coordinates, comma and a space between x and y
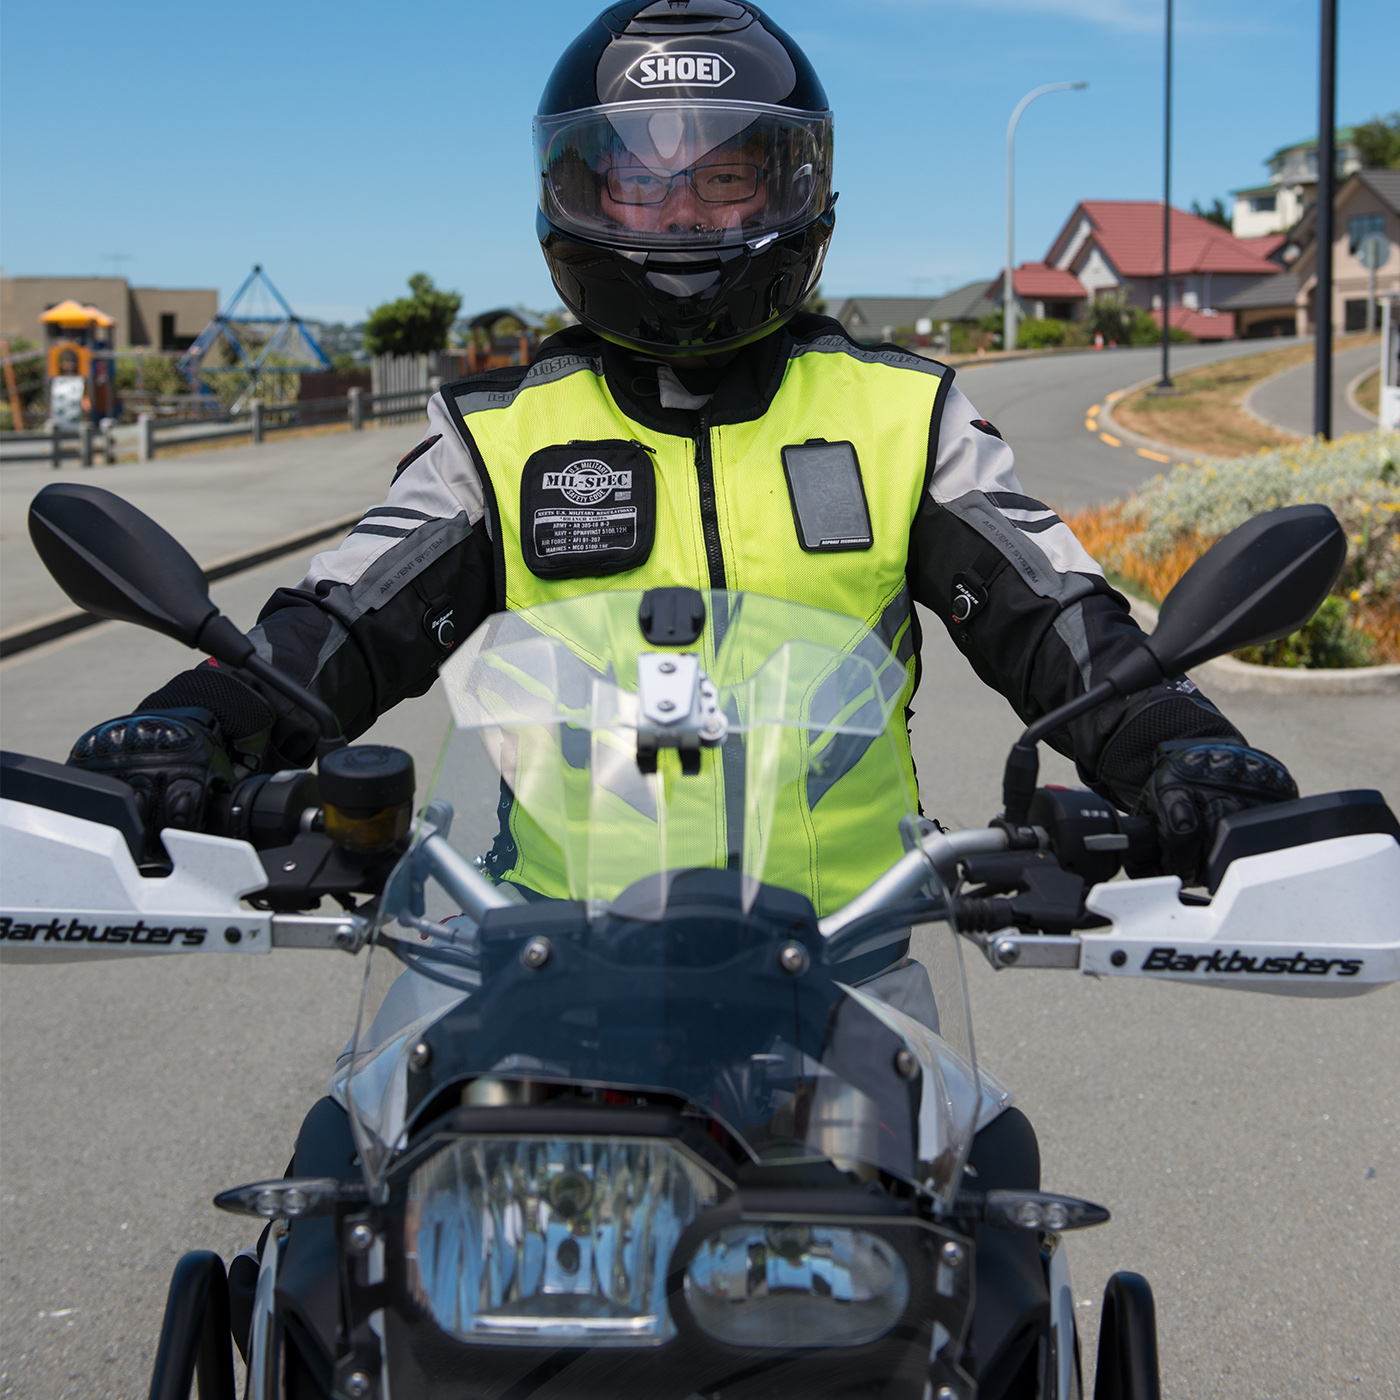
677, 708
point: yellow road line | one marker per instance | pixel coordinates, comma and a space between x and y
1114, 396
1153, 456
1091, 424
1110, 440
1094, 411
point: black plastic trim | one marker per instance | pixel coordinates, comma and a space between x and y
1357, 812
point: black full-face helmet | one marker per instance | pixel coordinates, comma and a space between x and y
684, 158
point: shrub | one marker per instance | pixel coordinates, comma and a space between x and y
1034, 333
1326, 641
1152, 538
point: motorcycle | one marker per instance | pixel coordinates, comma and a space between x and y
643, 1097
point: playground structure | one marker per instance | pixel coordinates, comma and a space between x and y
79, 364
253, 346
485, 350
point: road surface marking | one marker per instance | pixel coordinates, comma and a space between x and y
1092, 424
1153, 456
1093, 411
1110, 440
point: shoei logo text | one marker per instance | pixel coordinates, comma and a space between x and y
673, 69
586, 483
1299, 965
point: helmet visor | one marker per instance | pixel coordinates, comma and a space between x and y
683, 174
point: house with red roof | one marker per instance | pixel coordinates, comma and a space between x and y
1044, 291
1115, 245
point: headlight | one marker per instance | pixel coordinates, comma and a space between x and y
793, 1285
551, 1240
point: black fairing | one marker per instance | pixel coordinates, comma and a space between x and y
768, 66
702, 301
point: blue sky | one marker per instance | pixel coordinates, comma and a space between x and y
346, 145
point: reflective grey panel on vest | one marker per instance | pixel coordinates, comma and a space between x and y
897, 359
1021, 552
828, 498
483, 396
842, 753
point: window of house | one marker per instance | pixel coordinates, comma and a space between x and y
1355, 312
1359, 227
167, 330
1263, 203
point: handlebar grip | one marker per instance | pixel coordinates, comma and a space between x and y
1144, 850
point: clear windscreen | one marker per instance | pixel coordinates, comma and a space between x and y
657, 932
683, 174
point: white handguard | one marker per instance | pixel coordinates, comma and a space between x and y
1321, 919
70, 889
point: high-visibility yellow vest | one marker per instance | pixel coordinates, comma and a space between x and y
726, 514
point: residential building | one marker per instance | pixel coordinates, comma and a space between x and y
1115, 246
1265, 308
1367, 202
1292, 185
163, 318
1044, 292
874, 319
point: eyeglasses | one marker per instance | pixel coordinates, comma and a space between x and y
714, 184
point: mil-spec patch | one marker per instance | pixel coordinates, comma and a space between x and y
587, 509
828, 496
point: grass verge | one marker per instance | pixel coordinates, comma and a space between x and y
1368, 392
1207, 415
1153, 537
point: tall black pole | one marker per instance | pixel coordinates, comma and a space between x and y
1166, 380
1326, 197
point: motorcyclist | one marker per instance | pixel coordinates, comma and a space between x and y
684, 162
697, 427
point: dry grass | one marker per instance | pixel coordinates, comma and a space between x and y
1368, 392
1207, 416
1108, 537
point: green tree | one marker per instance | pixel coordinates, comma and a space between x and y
413, 325
1378, 142
1214, 215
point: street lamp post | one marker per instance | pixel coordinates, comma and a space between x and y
1008, 290
1164, 384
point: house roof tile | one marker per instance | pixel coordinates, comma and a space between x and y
1266, 245
1278, 290
1129, 232
1204, 325
1042, 281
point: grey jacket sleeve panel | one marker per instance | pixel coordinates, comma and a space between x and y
1031, 610
372, 621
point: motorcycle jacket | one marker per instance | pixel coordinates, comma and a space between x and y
854, 478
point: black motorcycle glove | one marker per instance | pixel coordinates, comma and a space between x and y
1194, 786
172, 759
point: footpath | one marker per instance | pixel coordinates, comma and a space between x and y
223, 506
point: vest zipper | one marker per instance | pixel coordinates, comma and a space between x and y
709, 513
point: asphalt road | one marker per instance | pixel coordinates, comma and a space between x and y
1039, 406
1249, 1146
1286, 400
216, 503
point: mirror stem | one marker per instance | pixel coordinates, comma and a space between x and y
1023, 762
331, 737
